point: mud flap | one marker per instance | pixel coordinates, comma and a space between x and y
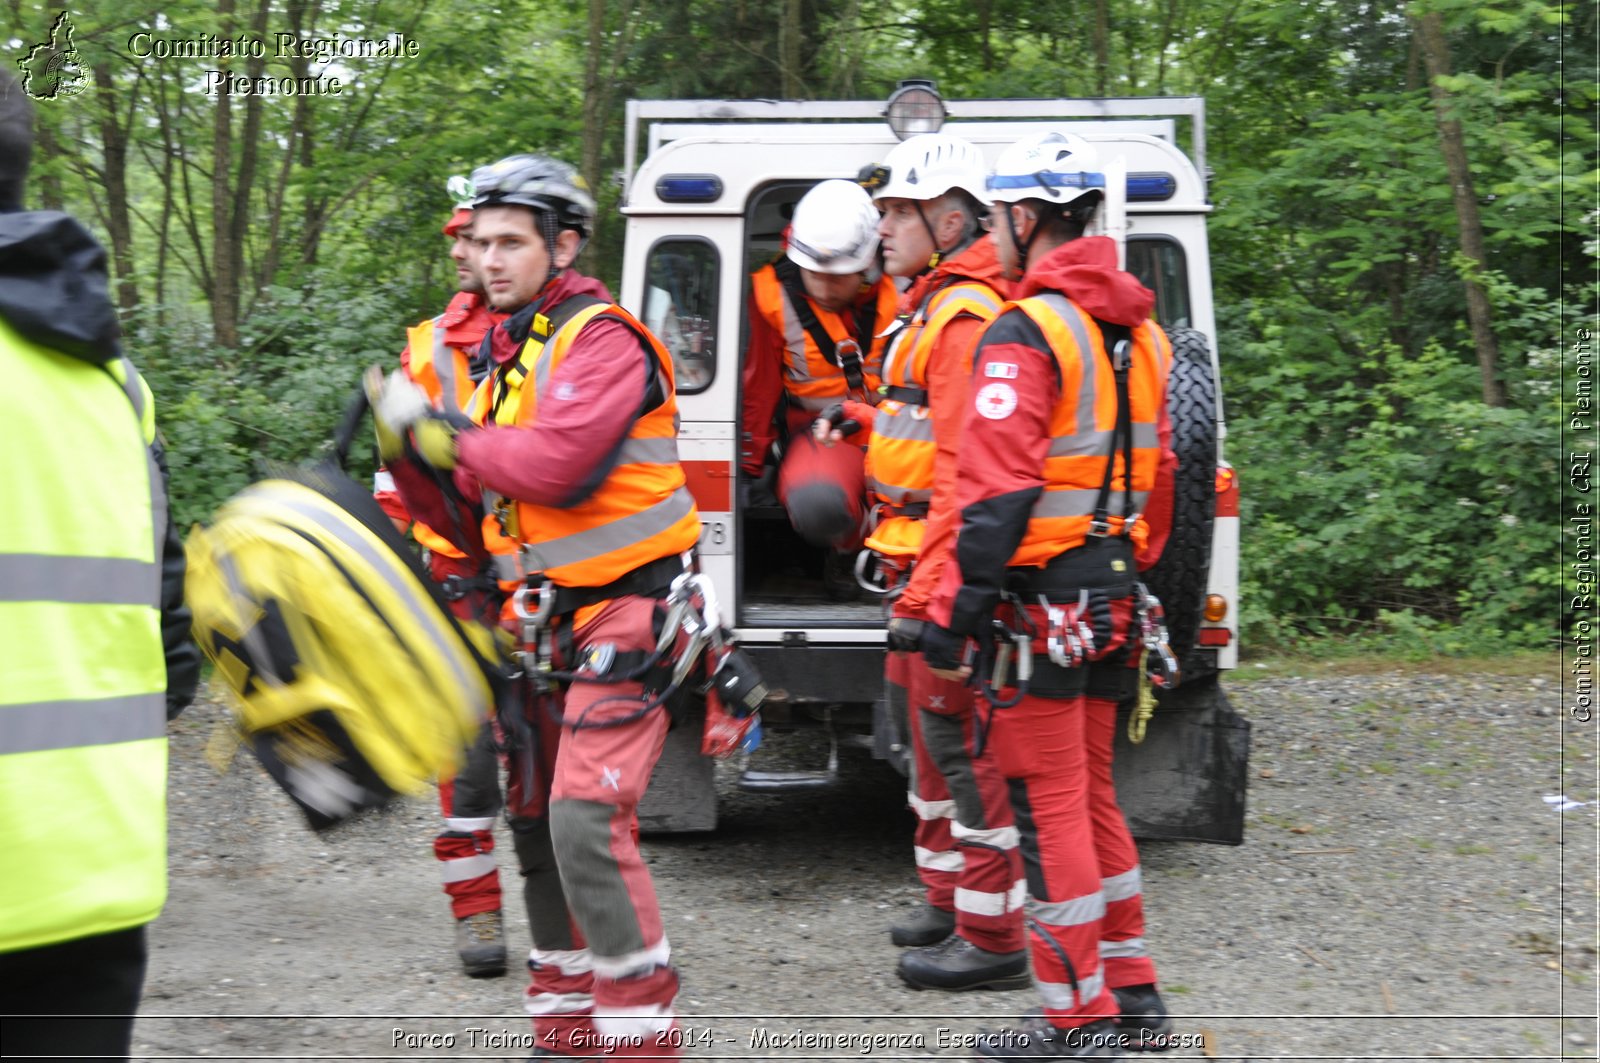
1186, 781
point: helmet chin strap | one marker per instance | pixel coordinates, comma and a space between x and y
1016, 242
939, 253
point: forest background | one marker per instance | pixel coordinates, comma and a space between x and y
1403, 242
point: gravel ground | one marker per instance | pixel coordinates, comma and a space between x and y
1404, 891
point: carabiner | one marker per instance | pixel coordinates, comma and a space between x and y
1153, 631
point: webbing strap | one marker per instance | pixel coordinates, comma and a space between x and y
909, 396
536, 326
845, 355
1117, 340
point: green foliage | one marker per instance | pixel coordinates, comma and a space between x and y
225, 415
1382, 498
1425, 519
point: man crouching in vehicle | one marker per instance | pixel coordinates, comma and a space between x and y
1058, 453
572, 449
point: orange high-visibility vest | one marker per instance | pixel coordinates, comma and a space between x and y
1082, 424
444, 372
641, 512
813, 379
901, 451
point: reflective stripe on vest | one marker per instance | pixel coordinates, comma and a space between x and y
444, 372
901, 452
642, 511
83, 701
30, 728
1082, 423
80, 580
812, 381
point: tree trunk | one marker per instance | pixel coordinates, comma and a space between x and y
790, 32
602, 70
49, 184
224, 255
1102, 48
986, 33
593, 134
114, 174
249, 140
1436, 55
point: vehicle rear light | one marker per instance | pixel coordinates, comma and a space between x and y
1225, 479
689, 188
1216, 608
1214, 636
1151, 187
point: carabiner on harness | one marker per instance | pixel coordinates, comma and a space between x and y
534, 614
1164, 670
884, 582
1007, 643
1069, 638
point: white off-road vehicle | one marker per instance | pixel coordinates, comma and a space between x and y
707, 206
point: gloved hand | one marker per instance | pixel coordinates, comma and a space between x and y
399, 404
943, 649
435, 439
840, 421
905, 634
388, 411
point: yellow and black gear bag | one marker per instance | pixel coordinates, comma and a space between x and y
351, 679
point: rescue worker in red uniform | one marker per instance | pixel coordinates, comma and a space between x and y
439, 359
572, 451
815, 316
931, 192
1059, 452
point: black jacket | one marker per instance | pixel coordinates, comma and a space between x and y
53, 290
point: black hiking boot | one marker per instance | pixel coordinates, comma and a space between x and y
1144, 1023
1039, 1039
928, 927
956, 964
481, 944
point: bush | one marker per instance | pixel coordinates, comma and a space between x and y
224, 414
1404, 509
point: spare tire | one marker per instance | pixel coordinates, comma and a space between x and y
1179, 577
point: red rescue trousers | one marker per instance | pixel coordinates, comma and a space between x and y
966, 840
1086, 923
600, 978
470, 801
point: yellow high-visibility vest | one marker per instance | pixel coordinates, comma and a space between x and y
83, 748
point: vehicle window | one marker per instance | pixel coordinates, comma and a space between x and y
680, 307
1159, 263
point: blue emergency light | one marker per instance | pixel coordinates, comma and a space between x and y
1151, 187
689, 188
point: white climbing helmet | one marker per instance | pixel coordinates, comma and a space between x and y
835, 229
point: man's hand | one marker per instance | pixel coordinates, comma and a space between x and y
905, 634
943, 650
388, 413
840, 421
435, 440
398, 404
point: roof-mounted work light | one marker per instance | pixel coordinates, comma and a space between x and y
914, 107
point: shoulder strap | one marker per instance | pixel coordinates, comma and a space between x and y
540, 327
1118, 343
846, 357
